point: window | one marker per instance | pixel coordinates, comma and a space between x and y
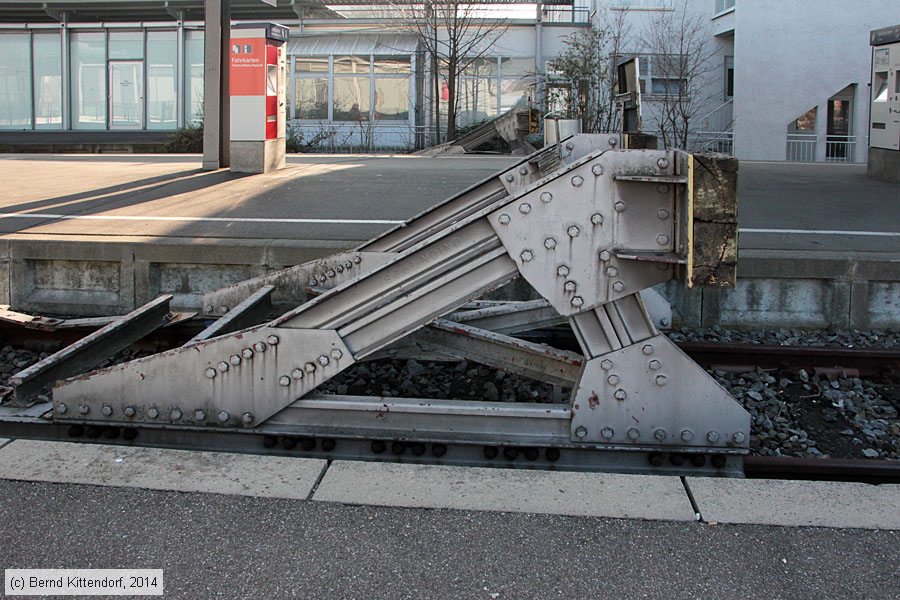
666, 87
311, 88
15, 81
161, 88
88, 79
805, 123
392, 80
193, 74
656, 75
723, 5
352, 96
729, 77
642, 4
47, 73
126, 44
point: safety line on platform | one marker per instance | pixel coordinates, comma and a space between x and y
824, 232
200, 219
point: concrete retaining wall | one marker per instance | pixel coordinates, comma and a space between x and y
82, 277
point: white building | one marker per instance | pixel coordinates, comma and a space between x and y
790, 80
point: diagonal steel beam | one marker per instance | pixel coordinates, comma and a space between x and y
90, 350
252, 311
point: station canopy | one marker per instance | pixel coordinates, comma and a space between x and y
33, 11
358, 45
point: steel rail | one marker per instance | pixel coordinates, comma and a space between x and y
822, 469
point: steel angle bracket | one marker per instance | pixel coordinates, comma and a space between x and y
652, 394
239, 379
583, 237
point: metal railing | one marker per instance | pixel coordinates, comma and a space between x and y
840, 148
801, 147
713, 141
574, 15
721, 118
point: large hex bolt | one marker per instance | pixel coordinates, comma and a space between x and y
570, 286
577, 301
546, 197
573, 231
247, 418
129, 411
597, 170
106, 410
606, 364
210, 373
259, 346
550, 243
659, 433
153, 412
524, 208
633, 434
562, 270
503, 219
577, 181
336, 354
273, 340
597, 219
175, 414
662, 163
224, 416
606, 433
618, 286
687, 435
323, 360
738, 438
620, 394
199, 415
612, 379
581, 432
526, 256
247, 353
234, 359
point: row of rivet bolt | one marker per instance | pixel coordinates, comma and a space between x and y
332, 273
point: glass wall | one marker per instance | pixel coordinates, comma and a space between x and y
355, 88
489, 86
15, 81
88, 79
162, 91
193, 75
47, 73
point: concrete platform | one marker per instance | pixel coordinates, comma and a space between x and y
160, 469
543, 492
797, 503
87, 235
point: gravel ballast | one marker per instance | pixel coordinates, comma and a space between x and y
793, 413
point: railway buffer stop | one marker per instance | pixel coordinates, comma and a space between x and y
257, 95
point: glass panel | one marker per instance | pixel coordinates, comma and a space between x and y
351, 64
805, 123
477, 100
126, 97
15, 81
126, 44
516, 66
515, 92
392, 99
392, 64
665, 86
161, 89
193, 73
88, 80
311, 98
47, 80
480, 67
351, 99
312, 65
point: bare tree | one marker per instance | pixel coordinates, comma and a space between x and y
585, 72
679, 43
454, 36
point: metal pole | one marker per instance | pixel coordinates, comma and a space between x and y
216, 104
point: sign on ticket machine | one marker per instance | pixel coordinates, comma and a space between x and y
257, 97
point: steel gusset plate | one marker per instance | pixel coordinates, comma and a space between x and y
239, 379
652, 394
565, 232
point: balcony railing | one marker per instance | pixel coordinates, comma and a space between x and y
839, 148
801, 147
574, 15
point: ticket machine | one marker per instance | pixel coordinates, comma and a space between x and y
257, 91
884, 113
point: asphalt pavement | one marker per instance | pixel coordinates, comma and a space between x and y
218, 546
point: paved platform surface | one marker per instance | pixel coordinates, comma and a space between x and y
217, 546
351, 198
245, 543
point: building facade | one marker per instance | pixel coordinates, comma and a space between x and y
787, 81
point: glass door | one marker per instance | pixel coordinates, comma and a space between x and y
126, 94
